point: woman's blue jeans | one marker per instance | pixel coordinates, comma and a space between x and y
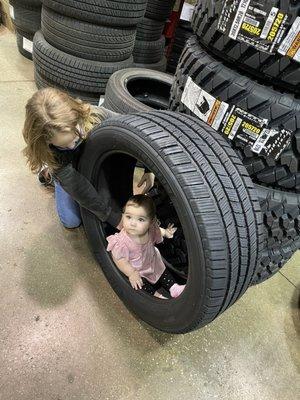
67, 209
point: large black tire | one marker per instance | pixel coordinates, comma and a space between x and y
210, 191
24, 38
161, 65
86, 40
149, 29
72, 72
135, 90
101, 12
282, 111
272, 68
149, 52
159, 10
26, 17
42, 82
281, 216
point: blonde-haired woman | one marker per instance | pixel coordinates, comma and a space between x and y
56, 126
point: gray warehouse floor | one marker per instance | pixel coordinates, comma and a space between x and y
65, 335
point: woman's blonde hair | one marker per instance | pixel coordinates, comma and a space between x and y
50, 111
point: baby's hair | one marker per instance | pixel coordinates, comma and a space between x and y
50, 111
142, 200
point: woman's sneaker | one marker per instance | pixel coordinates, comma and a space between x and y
45, 178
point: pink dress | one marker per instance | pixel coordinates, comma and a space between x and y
145, 258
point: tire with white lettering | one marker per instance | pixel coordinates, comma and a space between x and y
135, 90
281, 217
72, 72
282, 111
275, 69
101, 12
212, 199
24, 43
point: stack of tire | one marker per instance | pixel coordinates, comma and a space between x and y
264, 84
182, 33
82, 43
150, 43
26, 17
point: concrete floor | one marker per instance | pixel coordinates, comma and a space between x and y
65, 335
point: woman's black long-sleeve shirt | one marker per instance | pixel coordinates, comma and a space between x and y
77, 186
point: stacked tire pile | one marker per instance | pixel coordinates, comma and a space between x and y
182, 34
150, 43
248, 90
82, 43
26, 17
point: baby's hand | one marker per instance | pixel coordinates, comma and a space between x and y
170, 230
136, 280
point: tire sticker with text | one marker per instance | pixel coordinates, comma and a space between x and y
255, 23
235, 123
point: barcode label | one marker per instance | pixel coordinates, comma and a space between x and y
290, 46
260, 141
269, 22
251, 21
237, 22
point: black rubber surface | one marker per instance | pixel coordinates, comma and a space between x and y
159, 10
42, 82
182, 33
149, 29
272, 68
213, 196
280, 109
281, 216
161, 65
146, 52
32, 3
101, 12
27, 17
86, 40
72, 72
135, 90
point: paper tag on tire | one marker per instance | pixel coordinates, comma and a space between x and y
201, 103
11, 11
238, 125
27, 45
255, 23
290, 46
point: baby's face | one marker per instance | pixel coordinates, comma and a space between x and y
135, 220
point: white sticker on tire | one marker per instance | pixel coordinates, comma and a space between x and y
238, 20
238, 125
11, 11
205, 106
101, 100
27, 45
290, 46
